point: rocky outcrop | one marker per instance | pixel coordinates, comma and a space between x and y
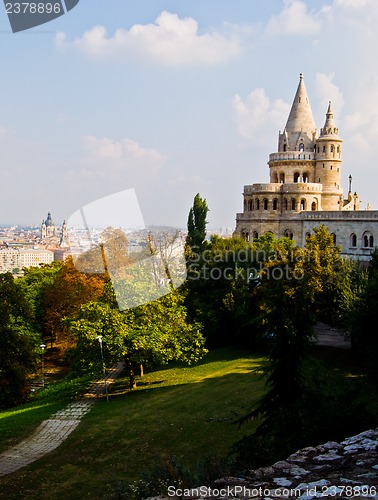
333, 470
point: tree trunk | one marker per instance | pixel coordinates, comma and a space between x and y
141, 369
130, 371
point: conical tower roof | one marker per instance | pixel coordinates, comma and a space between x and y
300, 117
329, 126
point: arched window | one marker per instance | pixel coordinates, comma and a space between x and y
289, 234
324, 149
338, 149
293, 203
332, 148
305, 177
275, 204
275, 177
285, 203
353, 240
265, 204
250, 207
245, 235
282, 177
257, 204
367, 240
303, 204
301, 146
297, 177
255, 235
245, 205
313, 206
284, 147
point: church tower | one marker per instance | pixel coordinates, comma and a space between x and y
305, 188
294, 161
328, 164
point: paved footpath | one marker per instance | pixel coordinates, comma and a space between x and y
52, 432
331, 337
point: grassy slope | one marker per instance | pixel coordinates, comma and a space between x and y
185, 411
18, 423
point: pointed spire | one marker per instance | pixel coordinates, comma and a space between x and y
329, 126
300, 117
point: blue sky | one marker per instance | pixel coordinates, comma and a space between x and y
177, 97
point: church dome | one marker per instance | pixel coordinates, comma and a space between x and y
49, 222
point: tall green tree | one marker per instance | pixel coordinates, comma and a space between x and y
34, 285
17, 352
153, 333
322, 262
363, 321
197, 223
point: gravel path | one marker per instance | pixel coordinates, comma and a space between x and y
52, 432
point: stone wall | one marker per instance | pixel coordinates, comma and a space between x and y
332, 470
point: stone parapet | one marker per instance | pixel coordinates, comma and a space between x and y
292, 155
289, 187
362, 215
344, 470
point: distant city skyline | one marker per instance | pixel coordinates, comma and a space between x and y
177, 97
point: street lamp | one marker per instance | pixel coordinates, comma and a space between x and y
99, 338
42, 346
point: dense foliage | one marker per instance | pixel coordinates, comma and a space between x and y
153, 334
197, 223
263, 295
17, 341
363, 319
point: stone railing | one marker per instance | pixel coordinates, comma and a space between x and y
292, 155
371, 215
286, 187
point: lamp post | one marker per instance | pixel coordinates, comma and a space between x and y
99, 338
42, 346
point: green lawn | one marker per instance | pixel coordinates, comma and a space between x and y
17, 423
183, 411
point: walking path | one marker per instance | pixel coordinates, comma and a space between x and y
331, 336
52, 432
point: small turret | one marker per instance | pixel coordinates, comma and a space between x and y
329, 128
328, 163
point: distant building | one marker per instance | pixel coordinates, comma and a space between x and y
305, 188
63, 242
9, 260
12, 259
48, 228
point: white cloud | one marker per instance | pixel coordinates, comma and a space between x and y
365, 119
125, 149
107, 164
169, 41
327, 90
257, 116
294, 19
354, 3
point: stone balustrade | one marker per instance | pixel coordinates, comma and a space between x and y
289, 187
292, 155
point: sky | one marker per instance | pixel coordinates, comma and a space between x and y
177, 97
